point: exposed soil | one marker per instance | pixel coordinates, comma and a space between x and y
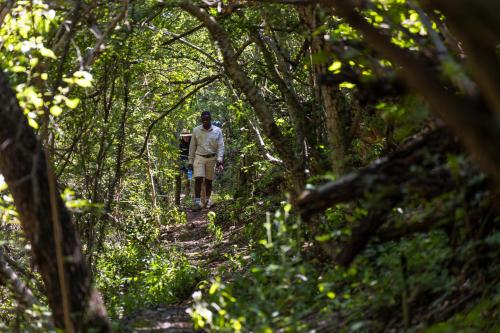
198, 244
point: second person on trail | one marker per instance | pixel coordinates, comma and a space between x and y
185, 174
206, 152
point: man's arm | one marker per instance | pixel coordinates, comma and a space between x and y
220, 148
192, 148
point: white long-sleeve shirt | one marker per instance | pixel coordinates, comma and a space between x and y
205, 142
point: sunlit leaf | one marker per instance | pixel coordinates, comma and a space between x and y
335, 66
72, 103
55, 110
33, 123
347, 85
48, 53
83, 83
18, 69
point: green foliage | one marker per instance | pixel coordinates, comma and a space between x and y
131, 277
96, 122
214, 229
174, 216
481, 318
24, 36
275, 292
15, 317
284, 287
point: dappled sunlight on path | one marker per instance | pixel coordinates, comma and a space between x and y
168, 318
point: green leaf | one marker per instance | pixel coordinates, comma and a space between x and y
347, 85
214, 287
83, 83
72, 103
335, 66
323, 238
56, 110
86, 75
213, 11
48, 53
32, 122
33, 62
3, 184
320, 30
18, 69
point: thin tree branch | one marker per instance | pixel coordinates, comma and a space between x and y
243, 47
262, 145
208, 81
99, 45
11, 279
184, 34
187, 43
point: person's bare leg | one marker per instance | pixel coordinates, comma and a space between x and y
197, 187
203, 193
208, 188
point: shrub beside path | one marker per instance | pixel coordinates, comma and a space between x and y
197, 243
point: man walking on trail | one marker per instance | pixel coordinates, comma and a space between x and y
206, 152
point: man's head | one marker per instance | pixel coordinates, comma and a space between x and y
206, 119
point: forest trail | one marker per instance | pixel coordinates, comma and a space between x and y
361, 166
197, 243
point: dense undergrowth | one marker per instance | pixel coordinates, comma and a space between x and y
443, 279
132, 278
440, 279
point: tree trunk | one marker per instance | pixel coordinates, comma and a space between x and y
336, 124
152, 187
295, 109
114, 183
24, 166
100, 160
178, 189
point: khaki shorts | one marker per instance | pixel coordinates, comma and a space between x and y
204, 167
